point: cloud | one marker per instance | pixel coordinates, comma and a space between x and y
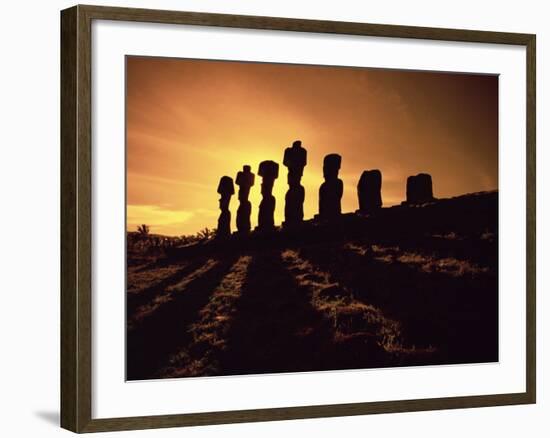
152, 214
168, 221
191, 122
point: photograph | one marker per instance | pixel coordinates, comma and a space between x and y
285, 218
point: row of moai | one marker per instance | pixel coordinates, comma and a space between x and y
369, 189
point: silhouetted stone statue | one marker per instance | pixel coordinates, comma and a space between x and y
245, 180
295, 159
369, 191
330, 193
269, 171
419, 189
226, 190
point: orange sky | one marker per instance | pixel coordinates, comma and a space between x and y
189, 122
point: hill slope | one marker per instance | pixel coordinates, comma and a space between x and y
412, 285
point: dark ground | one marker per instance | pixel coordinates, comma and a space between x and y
409, 286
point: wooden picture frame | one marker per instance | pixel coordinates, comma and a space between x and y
76, 218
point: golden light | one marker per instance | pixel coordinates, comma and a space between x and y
190, 122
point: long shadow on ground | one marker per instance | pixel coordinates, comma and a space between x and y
458, 315
275, 328
150, 343
147, 294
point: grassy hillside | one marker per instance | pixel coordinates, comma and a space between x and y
412, 285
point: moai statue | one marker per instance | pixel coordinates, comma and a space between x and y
269, 171
245, 180
419, 189
369, 191
295, 159
226, 190
330, 193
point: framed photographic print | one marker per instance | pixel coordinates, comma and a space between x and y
270, 218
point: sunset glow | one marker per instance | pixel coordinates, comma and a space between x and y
189, 122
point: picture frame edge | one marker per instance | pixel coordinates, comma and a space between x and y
68, 323
76, 224
531, 297
304, 412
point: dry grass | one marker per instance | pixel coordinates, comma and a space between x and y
166, 296
141, 277
419, 286
209, 332
428, 263
349, 317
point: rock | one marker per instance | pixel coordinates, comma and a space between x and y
419, 189
369, 191
269, 171
226, 190
243, 217
295, 159
294, 206
245, 180
225, 187
330, 192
